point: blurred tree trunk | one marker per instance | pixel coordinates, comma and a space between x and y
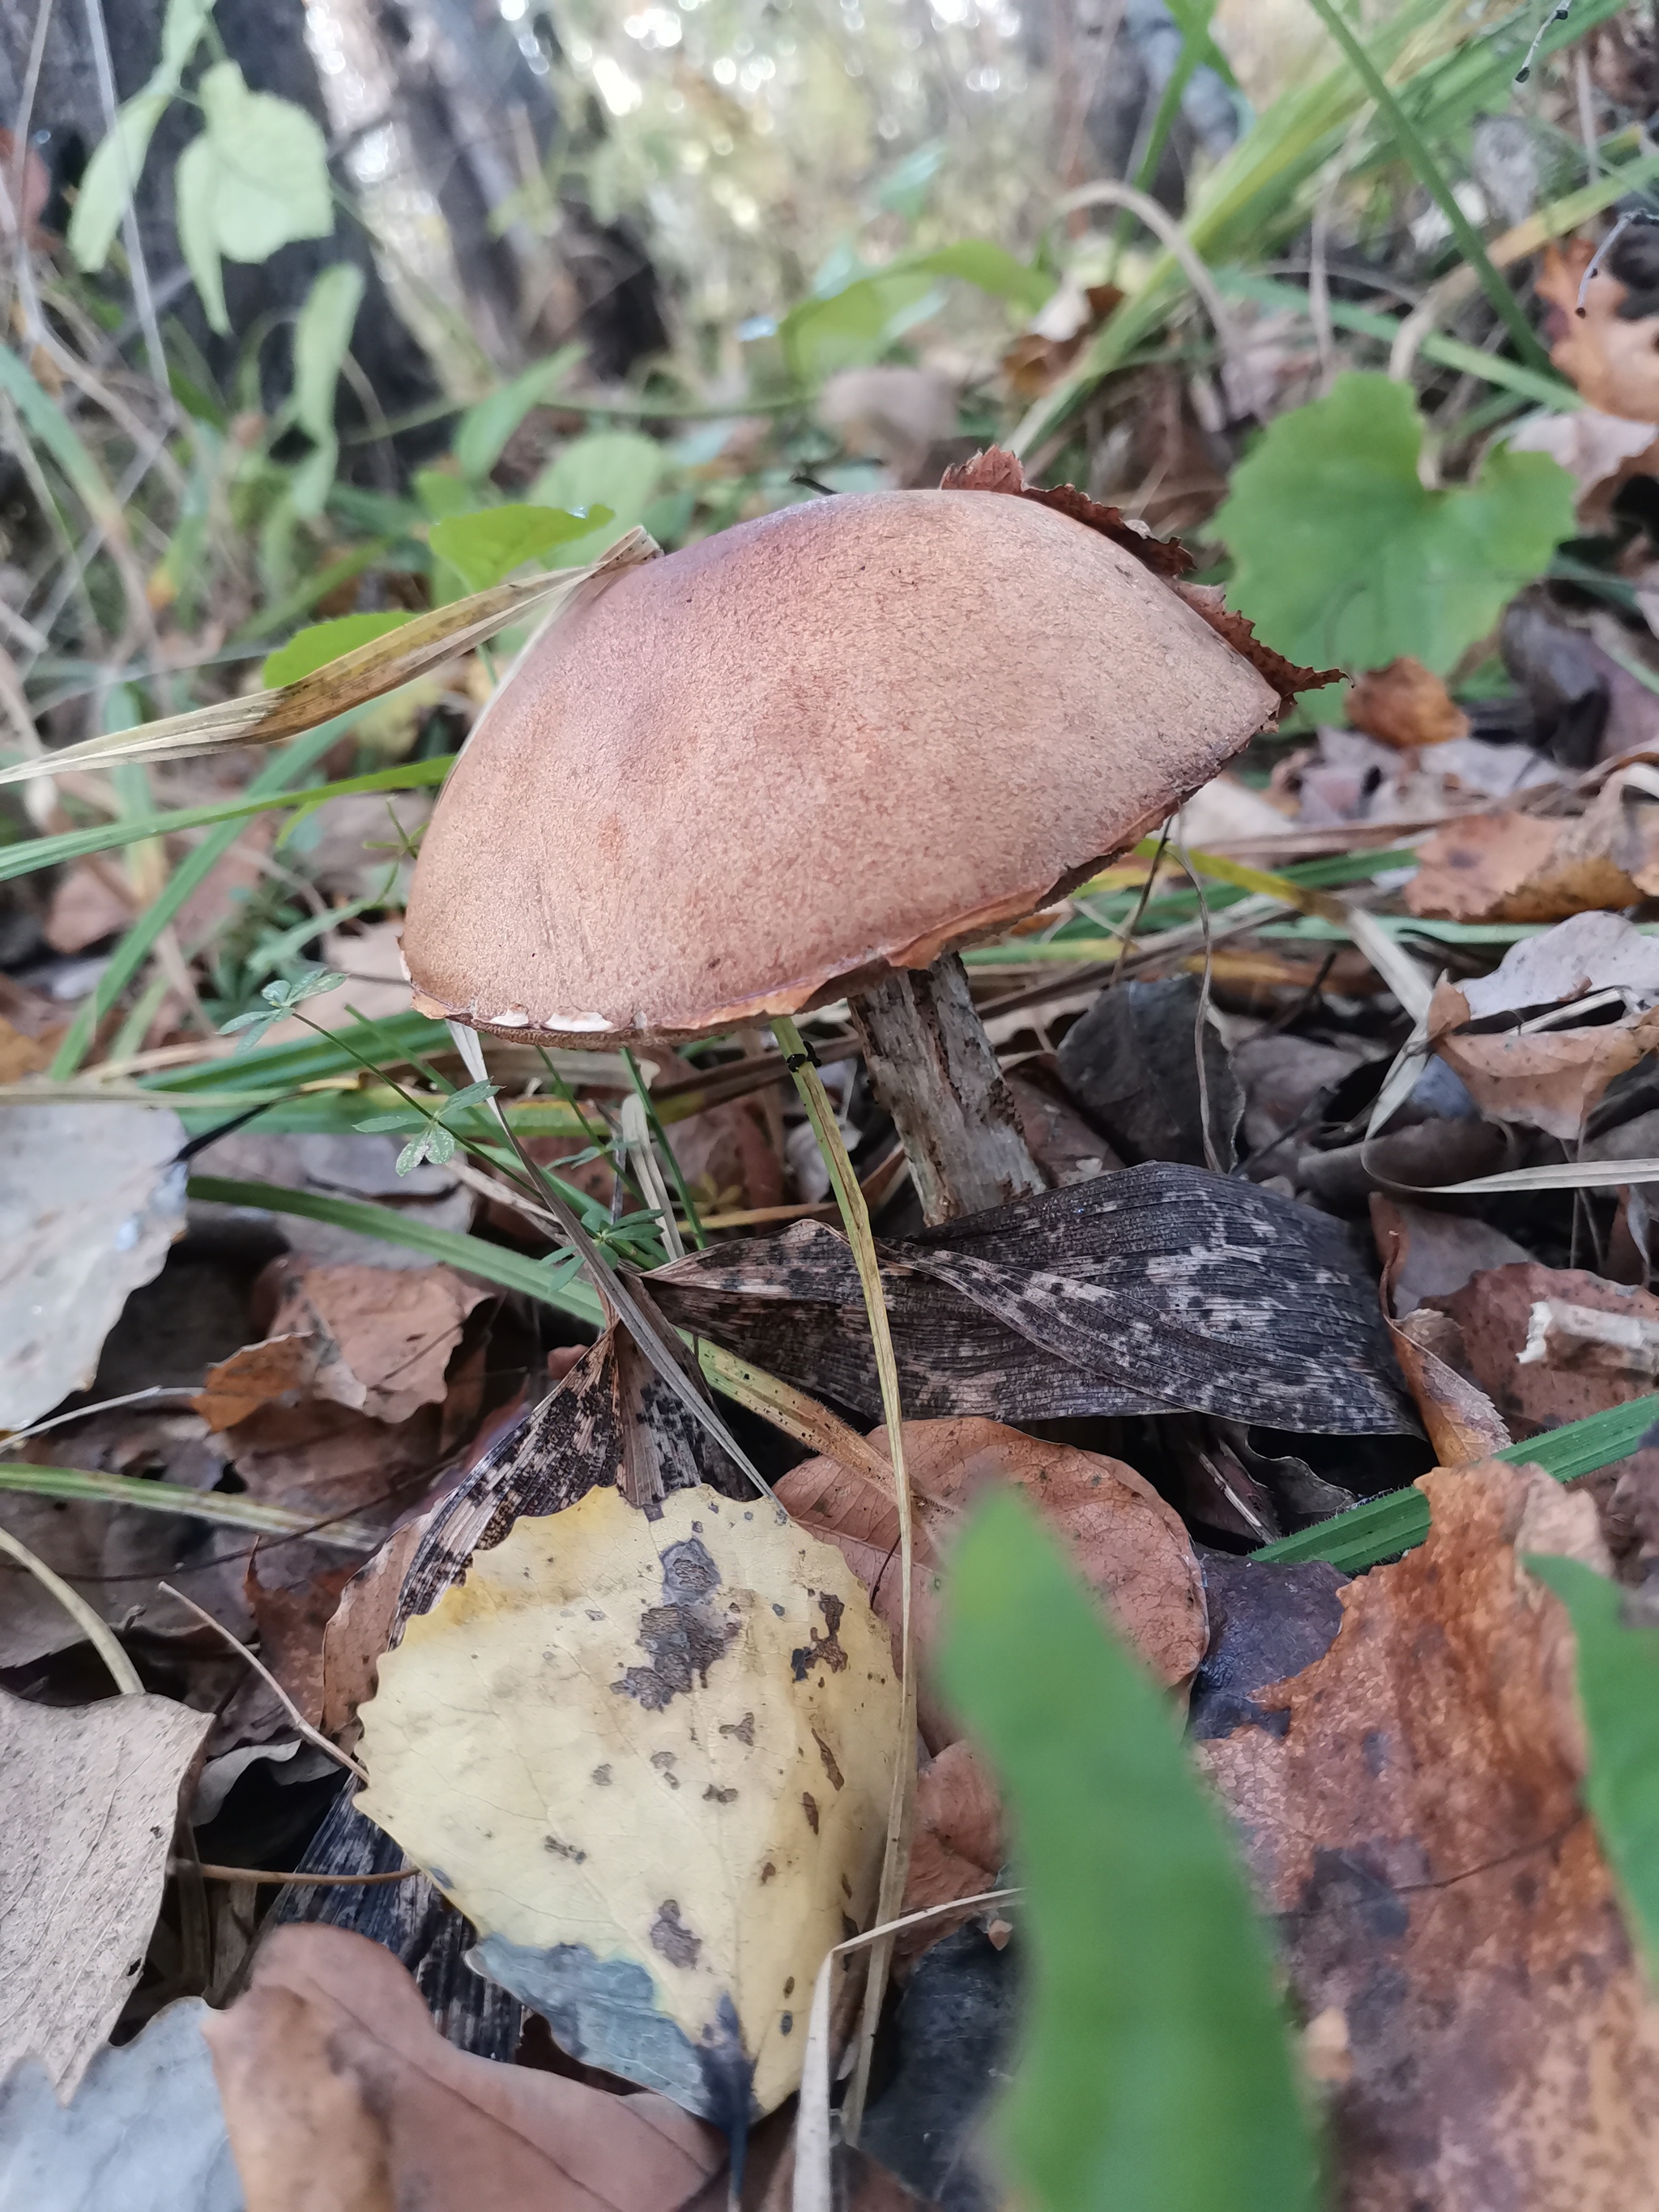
67, 117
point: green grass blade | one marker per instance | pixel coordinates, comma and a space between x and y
139, 942
1470, 244
1157, 2073
227, 1509
1618, 1682
1383, 1528
449, 1248
22, 859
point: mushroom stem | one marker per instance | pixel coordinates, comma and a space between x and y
933, 1068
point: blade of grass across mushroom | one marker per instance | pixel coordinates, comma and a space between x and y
382, 665
895, 1863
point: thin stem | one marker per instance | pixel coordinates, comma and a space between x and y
660, 1135
97, 1633
896, 1862
310, 1734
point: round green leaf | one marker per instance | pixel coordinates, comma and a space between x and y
314, 648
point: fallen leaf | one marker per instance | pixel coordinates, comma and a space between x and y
1609, 357
86, 907
338, 2091
1128, 1545
1283, 1076
1157, 1289
1417, 1828
1594, 448
91, 1197
1513, 867
22, 1055
374, 1340
1494, 1311
1405, 705
1266, 1621
293, 1589
657, 1818
91, 1795
144, 2131
1434, 1251
361, 1627
1067, 1148
1132, 1062
334, 1167
1463, 1425
957, 1847
1512, 1038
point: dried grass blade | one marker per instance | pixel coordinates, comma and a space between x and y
97, 1633
382, 665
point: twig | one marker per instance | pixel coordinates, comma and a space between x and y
98, 1633
310, 1734
896, 1862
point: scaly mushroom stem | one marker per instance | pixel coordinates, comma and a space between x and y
933, 1068
901, 1811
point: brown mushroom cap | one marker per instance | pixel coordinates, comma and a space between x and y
842, 738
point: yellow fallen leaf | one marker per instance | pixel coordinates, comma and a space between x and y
650, 1760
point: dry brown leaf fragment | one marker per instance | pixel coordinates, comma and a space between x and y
1463, 1425
341, 2096
92, 1795
1129, 1545
1495, 1312
1515, 866
957, 1847
361, 1628
1416, 1829
1516, 1038
1609, 357
1406, 705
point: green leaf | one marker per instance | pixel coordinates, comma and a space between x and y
618, 469
1618, 1678
111, 176
484, 429
112, 173
255, 180
321, 336
1156, 2072
1342, 555
485, 547
314, 648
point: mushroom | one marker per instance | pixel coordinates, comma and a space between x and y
811, 757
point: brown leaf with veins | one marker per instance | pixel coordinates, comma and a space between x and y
1129, 1546
1417, 1832
1405, 705
1514, 866
1494, 1311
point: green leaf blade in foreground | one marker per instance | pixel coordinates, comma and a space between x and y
1157, 2073
1618, 1678
1343, 556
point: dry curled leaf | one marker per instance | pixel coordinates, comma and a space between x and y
1462, 1422
1513, 867
1412, 1816
1129, 1546
92, 1795
650, 1759
1533, 1042
1609, 357
339, 2092
1406, 705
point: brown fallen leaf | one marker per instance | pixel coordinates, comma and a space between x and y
957, 1848
1416, 1829
1406, 705
91, 1798
1609, 357
86, 907
1600, 451
1513, 1038
1434, 1250
1494, 1310
1514, 866
1463, 1425
341, 2096
361, 1628
369, 1338
293, 1589
1127, 1543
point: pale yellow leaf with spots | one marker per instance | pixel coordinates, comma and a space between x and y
650, 1760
